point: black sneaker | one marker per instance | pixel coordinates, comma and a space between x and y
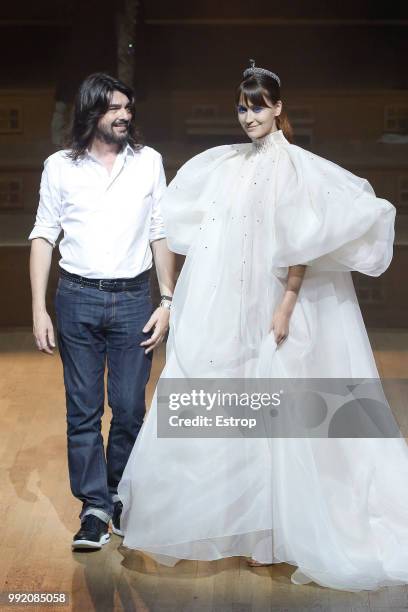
92, 534
117, 511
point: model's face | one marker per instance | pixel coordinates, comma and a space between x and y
258, 121
113, 126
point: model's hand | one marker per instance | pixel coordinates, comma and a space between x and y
280, 325
160, 321
43, 332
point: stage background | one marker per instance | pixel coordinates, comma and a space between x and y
344, 84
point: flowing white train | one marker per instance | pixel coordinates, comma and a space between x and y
336, 508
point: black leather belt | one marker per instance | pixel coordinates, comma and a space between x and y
107, 284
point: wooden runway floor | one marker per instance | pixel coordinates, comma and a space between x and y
39, 514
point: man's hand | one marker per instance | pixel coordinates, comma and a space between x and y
40, 263
160, 321
43, 332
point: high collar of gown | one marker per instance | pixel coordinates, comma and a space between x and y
269, 142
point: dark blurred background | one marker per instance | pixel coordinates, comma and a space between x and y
344, 84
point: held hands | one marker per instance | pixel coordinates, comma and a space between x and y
160, 321
280, 325
43, 332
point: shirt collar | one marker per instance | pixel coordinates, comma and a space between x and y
125, 152
128, 150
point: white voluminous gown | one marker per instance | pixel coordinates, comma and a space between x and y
336, 508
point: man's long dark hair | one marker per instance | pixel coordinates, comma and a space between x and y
91, 103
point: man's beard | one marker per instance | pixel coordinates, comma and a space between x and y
108, 136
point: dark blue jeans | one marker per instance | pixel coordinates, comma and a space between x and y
98, 328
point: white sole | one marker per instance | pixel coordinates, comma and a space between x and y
117, 532
76, 544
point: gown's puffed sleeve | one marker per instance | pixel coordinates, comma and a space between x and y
329, 218
189, 195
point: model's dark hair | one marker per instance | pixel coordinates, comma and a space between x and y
255, 88
91, 103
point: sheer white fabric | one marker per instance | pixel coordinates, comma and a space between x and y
336, 509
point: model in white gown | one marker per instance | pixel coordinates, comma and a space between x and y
337, 508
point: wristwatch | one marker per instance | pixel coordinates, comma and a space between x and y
165, 301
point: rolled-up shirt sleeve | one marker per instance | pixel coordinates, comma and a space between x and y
156, 223
47, 223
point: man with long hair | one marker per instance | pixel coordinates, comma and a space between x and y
104, 193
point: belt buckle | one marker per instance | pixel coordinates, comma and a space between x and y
110, 285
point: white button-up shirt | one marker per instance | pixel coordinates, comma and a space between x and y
108, 220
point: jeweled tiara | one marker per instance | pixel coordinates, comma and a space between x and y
254, 70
